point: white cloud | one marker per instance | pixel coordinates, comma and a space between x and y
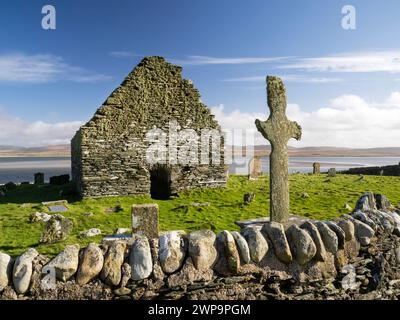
347, 121
286, 78
393, 100
347, 101
42, 68
17, 132
206, 60
241, 126
369, 61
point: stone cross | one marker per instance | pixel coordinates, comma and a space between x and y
278, 129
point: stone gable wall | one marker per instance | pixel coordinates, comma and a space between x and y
108, 152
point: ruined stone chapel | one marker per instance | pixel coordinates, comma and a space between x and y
109, 152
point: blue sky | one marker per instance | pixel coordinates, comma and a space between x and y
52, 80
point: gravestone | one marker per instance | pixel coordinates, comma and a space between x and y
59, 180
10, 186
255, 168
60, 208
278, 129
332, 172
39, 178
249, 197
316, 168
145, 220
56, 206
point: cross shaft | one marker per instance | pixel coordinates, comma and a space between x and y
278, 129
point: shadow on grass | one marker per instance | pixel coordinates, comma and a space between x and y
40, 193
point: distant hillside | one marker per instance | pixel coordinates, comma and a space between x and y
48, 151
64, 151
330, 152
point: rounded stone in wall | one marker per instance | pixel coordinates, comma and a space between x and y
258, 246
90, 265
172, 251
140, 259
202, 249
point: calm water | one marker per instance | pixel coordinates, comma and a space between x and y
19, 169
304, 164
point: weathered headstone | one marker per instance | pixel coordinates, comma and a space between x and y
39, 178
56, 206
10, 186
316, 168
60, 208
59, 180
145, 220
249, 197
255, 168
332, 172
278, 129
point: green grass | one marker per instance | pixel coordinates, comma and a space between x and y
327, 197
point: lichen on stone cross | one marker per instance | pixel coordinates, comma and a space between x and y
278, 129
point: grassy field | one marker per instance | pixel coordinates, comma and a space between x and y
327, 197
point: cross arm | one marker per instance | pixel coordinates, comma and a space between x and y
264, 128
295, 130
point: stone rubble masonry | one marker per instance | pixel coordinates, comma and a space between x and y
108, 153
209, 266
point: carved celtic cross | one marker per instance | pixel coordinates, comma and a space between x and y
278, 129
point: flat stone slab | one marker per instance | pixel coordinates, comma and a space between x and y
252, 222
55, 203
124, 238
259, 222
56, 206
60, 208
115, 237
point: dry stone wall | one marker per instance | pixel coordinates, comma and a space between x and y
109, 152
393, 170
355, 256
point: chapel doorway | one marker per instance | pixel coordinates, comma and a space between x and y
160, 179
